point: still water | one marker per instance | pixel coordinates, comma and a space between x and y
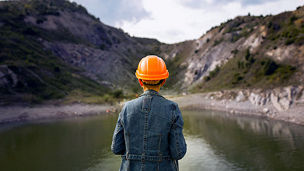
216, 142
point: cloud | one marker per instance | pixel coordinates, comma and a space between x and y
115, 11
211, 3
172, 21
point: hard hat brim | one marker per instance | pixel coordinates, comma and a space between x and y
152, 77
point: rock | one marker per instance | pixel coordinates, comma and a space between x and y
282, 98
265, 110
299, 99
257, 99
240, 97
7, 77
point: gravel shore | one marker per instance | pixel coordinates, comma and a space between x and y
14, 114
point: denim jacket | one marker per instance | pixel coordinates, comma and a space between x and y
148, 134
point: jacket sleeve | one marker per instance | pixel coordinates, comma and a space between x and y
118, 141
177, 143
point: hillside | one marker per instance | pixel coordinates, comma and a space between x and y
246, 52
53, 49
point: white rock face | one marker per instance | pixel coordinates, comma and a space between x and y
253, 42
282, 99
240, 97
282, 53
257, 99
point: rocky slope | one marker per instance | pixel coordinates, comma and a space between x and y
238, 49
50, 49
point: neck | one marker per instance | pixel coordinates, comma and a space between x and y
155, 89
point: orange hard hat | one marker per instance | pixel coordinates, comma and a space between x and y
152, 68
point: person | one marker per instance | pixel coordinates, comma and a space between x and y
148, 132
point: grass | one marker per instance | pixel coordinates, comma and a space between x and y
80, 96
283, 29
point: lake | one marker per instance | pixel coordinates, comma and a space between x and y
216, 141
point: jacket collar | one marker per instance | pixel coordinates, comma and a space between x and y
151, 92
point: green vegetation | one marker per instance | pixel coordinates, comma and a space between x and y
282, 29
243, 33
212, 74
80, 96
247, 71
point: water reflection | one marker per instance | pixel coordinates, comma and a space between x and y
75, 144
248, 143
216, 142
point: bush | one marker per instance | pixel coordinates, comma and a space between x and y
117, 94
236, 78
289, 41
269, 67
292, 19
207, 78
216, 42
214, 72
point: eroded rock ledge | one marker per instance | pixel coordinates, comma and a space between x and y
286, 103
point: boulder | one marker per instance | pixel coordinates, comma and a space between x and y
240, 97
282, 98
265, 110
7, 77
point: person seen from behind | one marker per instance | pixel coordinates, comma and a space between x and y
149, 130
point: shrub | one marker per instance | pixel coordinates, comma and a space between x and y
214, 72
207, 78
289, 41
216, 42
235, 51
236, 78
269, 67
292, 19
117, 94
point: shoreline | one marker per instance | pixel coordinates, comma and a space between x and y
23, 114
260, 107
285, 104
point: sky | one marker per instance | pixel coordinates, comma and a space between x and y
172, 21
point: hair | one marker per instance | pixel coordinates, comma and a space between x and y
152, 83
